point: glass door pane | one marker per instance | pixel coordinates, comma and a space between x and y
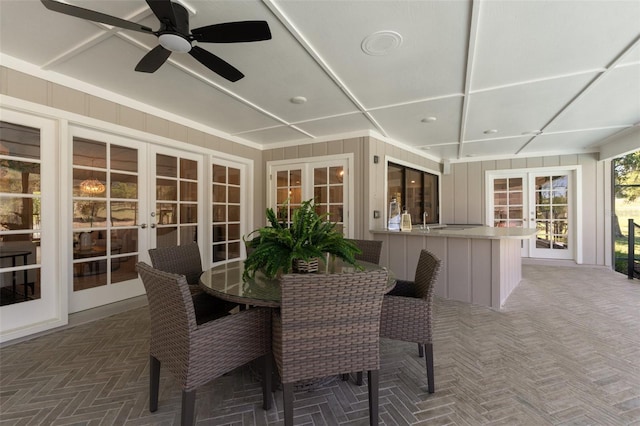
328, 191
551, 213
176, 204
226, 212
20, 214
508, 202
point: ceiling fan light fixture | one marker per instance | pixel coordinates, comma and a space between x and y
174, 42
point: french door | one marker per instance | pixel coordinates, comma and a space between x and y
542, 200
325, 180
109, 234
30, 288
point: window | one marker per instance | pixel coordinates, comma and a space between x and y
226, 211
416, 191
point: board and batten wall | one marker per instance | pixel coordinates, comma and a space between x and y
463, 197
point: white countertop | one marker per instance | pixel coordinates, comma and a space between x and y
482, 232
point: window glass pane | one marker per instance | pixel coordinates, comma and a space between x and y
234, 250
89, 153
234, 213
124, 213
19, 177
123, 269
234, 176
19, 213
166, 166
500, 185
219, 233
282, 180
414, 190
219, 252
89, 213
515, 198
19, 141
320, 176
124, 159
295, 177
86, 183
188, 169
124, 186
219, 173
188, 213
166, 190
125, 239
166, 213
188, 191
515, 184
219, 213
233, 232
414, 195
219, 193
336, 175
335, 194
234, 194
320, 194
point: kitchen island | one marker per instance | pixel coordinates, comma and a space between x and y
480, 264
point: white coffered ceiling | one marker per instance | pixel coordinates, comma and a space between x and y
568, 69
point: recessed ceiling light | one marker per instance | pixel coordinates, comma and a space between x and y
490, 131
381, 43
428, 119
298, 100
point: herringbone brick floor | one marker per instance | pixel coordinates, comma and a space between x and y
565, 350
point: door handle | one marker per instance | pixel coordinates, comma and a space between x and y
143, 226
153, 225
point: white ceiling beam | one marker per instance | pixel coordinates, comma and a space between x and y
471, 52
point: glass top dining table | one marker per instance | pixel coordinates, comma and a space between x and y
225, 282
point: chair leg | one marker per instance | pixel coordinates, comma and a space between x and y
373, 376
429, 359
287, 402
420, 350
345, 377
188, 408
359, 381
154, 383
267, 385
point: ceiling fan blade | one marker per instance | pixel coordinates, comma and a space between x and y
153, 60
92, 15
233, 32
163, 11
215, 64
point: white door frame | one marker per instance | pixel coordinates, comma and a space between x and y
575, 201
307, 164
50, 310
110, 293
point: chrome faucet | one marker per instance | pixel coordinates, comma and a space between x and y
424, 220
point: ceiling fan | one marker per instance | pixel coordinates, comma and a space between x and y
174, 34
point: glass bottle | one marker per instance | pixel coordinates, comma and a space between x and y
394, 215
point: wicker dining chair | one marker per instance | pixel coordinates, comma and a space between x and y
196, 354
407, 310
328, 325
185, 260
370, 250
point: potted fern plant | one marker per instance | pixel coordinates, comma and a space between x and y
278, 248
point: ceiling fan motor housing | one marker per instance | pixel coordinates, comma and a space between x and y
176, 39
